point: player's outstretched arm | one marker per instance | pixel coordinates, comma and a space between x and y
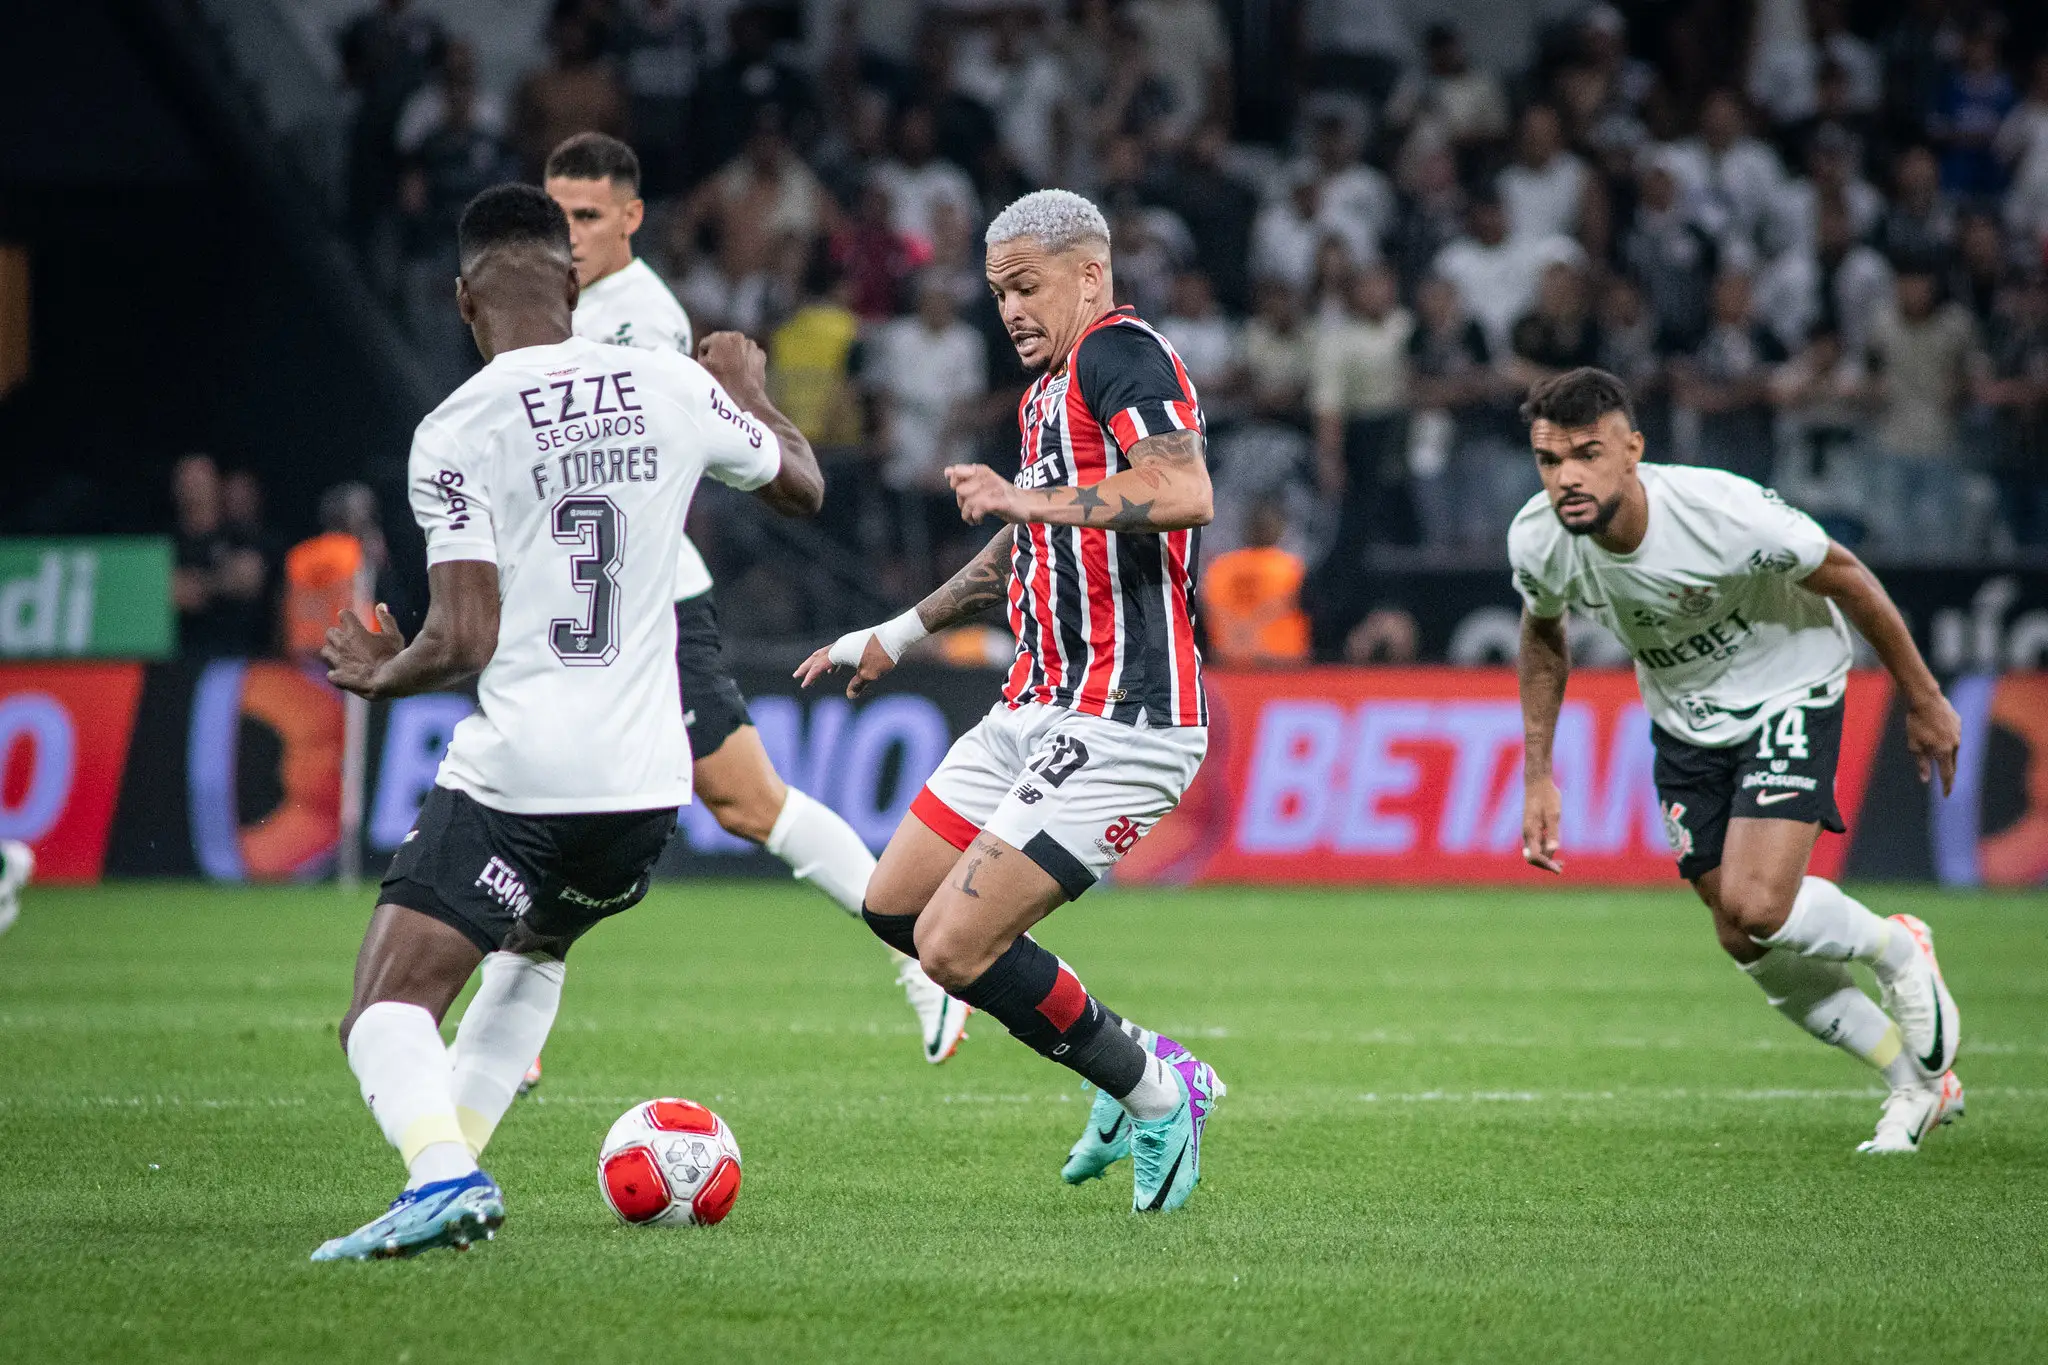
1165, 489
455, 641
1933, 730
1542, 665
874, 651
741, 367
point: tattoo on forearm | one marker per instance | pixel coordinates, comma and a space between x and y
1088, 499
1132, 516
982, 584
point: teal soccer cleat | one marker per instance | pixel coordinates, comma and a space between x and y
1104, 1142
446, 1213
1166, 1154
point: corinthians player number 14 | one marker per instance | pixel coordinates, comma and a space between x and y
1733, 606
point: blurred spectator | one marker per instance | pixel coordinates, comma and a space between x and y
1208, 342
1978, 269
576, 92
1448, 103
2022, 145
1922, 351
1496, 276
1603, 45
1673, 257
1431, 214
1358, 45
763, 197
2012, 385
1014, 75
1973, 101
917, 179
1784, 76
1831, 170
427, 109
1354, 202
812, 360
1359, 394
1276, 354
1921, 222
735, 93
660, 44
1217, 205
1544, 189
386, 55
1131, 99
1729, 179
1631, 344
220, 583
1724, 385
1185, 48
1286, 235
1559, 333
1835, 115
1458, 398
1251, 597
876, 256
456, 157
1837, 286
928, 374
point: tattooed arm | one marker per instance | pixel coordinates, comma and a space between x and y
983, 583
874, 651
1165, 489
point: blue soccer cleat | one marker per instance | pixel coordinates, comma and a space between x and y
1104, 1142
1166, 1154
446, 1213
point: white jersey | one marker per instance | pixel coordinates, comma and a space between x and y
571, 467
1709, 604
632, 307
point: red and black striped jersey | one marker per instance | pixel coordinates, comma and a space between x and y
1105, 621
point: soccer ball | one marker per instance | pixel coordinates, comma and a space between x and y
669, 1161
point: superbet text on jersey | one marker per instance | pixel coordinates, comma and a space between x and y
571, 467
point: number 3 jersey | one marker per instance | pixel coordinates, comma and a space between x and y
1709, 604
571, 467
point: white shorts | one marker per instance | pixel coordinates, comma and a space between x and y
1073, 792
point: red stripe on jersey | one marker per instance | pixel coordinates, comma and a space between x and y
942, 820
1189, 708
1092, 464
1065, 1001
1051, 670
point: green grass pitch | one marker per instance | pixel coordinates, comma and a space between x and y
1509, 1125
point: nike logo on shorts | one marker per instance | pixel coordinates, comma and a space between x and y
1772, 798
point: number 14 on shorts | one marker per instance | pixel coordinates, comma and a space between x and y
1783, 736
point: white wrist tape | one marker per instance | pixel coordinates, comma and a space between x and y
894, 635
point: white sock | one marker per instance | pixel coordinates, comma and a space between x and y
1827, 922
1156, 1094
402, 1066
822, 849
1822, 998
501, 1033
1144, 1037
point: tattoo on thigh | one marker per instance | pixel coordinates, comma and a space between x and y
984, 849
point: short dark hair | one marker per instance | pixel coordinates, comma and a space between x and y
1578, 398
511, 215
595, 156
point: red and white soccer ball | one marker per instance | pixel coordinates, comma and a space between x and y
669, 1161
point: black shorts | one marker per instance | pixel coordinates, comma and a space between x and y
1785, 771
482, 870
713, 705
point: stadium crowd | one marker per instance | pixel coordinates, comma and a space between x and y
1811, 238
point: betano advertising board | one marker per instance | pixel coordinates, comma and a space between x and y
231, 770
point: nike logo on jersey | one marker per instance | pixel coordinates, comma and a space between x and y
1772, 798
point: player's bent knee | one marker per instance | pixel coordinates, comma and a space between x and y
746, 814
953, 954
1751, 908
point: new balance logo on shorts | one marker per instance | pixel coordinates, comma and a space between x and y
1030, 796
505, 887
